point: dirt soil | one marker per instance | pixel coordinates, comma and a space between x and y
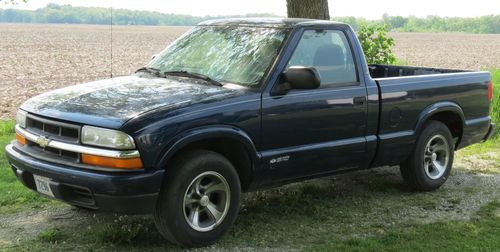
449, 50
38, 58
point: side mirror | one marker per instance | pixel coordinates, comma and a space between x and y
299, 77
154, 56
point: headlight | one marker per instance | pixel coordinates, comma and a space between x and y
106, 138
21, 118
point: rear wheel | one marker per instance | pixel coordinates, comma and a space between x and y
199, 200
430, 163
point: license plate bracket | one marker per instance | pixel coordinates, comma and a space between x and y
43, 185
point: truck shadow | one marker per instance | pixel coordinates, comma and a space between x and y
363, 203
278, 212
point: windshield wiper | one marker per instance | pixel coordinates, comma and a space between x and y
194, 75
150, 70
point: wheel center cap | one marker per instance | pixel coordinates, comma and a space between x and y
204, 201
434, 156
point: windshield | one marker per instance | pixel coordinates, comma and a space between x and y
240, 55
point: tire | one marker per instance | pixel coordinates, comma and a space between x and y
201, 185
430, 163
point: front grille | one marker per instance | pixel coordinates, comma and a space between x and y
53, 153
59, 142
52, 129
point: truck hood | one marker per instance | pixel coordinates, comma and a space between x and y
110, 103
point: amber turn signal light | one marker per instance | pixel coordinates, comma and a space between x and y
20, 139
118, 163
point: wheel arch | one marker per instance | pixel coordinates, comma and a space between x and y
229, 141
449, 113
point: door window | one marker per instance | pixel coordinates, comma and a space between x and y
330, 53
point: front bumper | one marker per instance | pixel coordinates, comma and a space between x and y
129, 193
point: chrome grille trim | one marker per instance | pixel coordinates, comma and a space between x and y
44, 126
79, 148
19, 150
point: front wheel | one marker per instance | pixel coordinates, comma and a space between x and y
430, 164
199, 200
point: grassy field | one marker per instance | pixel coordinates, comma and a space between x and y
367, 210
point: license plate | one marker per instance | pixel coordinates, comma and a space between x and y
43, 185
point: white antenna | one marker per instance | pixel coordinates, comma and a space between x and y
111, 29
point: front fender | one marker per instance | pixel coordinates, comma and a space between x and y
209, 132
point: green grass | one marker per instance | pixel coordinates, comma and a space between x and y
479, 233
402, 62
495, 114
493, 144
124, 232
7, 128
14, 196
484, 149
51, 235
296, 229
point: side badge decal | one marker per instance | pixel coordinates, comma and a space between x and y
279, 159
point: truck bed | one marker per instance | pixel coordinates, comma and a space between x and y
384, 71
408, 92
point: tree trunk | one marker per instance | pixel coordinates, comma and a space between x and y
315, 9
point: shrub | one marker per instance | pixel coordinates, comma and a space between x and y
377, 44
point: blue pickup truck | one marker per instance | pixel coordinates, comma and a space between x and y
237, 105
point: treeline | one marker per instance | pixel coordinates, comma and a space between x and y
484, 24
67, 14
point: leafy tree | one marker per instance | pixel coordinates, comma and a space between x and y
394, 22
54, 13
375, 41
376, 44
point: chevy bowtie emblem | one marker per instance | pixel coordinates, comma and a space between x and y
42, 141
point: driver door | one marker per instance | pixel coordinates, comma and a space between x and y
308, 133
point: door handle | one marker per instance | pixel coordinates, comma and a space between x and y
360, 100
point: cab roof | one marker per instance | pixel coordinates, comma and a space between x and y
271, 22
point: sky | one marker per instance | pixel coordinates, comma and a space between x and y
368, 8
